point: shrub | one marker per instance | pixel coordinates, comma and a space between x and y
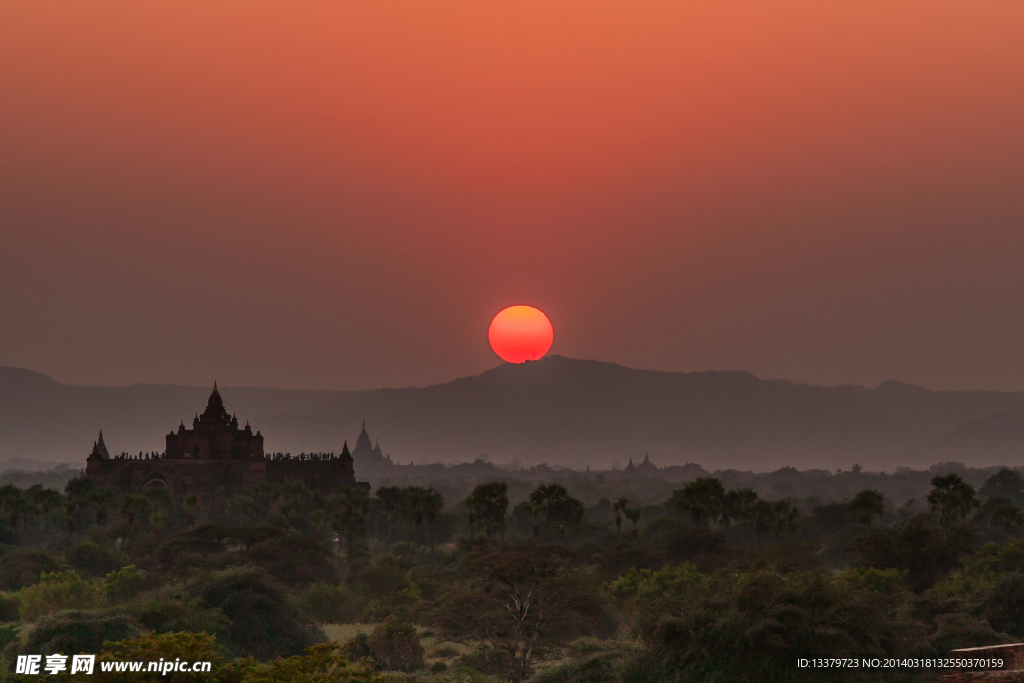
294, 560
127, 583
330, 604
263, 623
195, 647
79, 631
625, 555
24, 567
57, 591
94, 559
751, 625
489, 661
358, 648
170, 610
209, 539
324, 663
396, 645
10, 608
606, 667
8, 634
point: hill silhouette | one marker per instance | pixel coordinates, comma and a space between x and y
557, 410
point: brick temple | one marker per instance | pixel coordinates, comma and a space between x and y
217, 459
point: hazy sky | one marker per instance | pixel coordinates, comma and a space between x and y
342, 194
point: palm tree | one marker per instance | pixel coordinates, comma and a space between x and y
132, 507
620, 506
433, 503
156, 520
101, 497
190, 508
558, 508
349, 508
763, 517
70, 505
702, 499
412, 506
952, 498
472, 505
738, 505
390, 497
14, 503
489, 503
318, 521
285, 506
633, 514
47, 500
867, 505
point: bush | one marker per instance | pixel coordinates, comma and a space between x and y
489, 661
94, 559
294, 560
396, 645
57, 591
10, 608
602, 668
170, 610
24, 567
195, 647
263, 624
325, 663
329, 604
8, 634
626, 555
916, 547
358, 648
209, 539
127, 583
79, 631
752, 625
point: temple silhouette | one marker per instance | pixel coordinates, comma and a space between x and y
217, 459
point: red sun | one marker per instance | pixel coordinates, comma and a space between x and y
520, 333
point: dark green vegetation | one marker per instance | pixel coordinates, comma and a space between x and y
714, 583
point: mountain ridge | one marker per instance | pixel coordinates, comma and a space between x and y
557, 410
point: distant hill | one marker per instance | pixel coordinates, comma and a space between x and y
557, 410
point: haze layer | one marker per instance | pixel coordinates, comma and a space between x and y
341, 195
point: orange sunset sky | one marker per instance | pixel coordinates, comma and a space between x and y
342, 194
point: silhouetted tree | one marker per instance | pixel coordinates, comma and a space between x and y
133, 507
349, 508
774, 517
1005, 483
1007, 516
47, 500
738, 506
190, 509
390, 498
14, 502
559, 510
867, 505
100, 498
702, 499
520, 601
952, 498
619, 506
488, 503
633, 514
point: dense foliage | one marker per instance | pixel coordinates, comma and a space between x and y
712, 583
